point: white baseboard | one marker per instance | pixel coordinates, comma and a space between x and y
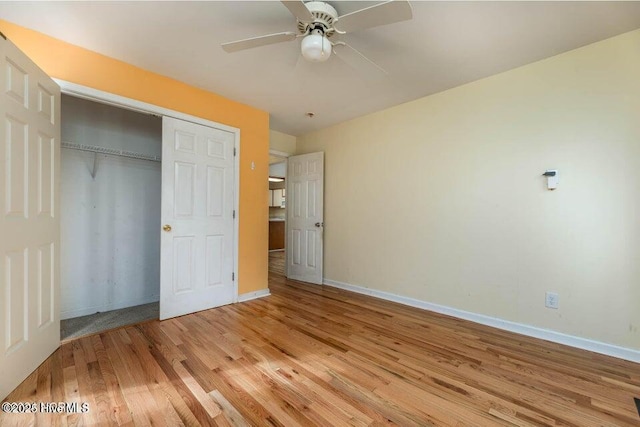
69, 314
519, 328
254, 295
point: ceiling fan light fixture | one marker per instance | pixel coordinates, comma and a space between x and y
316, 48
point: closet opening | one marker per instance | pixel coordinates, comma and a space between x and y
110, 200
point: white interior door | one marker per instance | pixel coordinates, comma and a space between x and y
29, 217
197, 243
305, 218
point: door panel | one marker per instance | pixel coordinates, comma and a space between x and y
46, 191
183, 264
215, 191
17, 299
305, 180
197, 203
46, 285
29, 223
17, 170
185, 183
215, 260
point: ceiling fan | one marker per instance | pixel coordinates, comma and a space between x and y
318, 22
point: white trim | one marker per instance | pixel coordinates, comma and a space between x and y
69, 314
254, 295
236, 224
97, 95
519, 328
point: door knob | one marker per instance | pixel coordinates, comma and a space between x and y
166, 227
319, 224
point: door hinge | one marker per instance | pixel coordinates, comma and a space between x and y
234, 214
234, 151
233, 277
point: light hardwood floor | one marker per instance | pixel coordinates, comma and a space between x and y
312, 355
276, 262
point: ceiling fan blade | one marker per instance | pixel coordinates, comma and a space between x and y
299, 10
379, 14
258, 41
355, 59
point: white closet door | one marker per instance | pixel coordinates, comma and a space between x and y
197, 243
305, 192
29, 216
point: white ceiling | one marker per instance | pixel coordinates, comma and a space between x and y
445, 45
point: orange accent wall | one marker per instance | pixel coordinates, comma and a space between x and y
78, 65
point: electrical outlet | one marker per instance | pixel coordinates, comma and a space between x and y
551, 300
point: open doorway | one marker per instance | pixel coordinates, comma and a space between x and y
277, 212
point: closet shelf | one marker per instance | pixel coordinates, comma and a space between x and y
111, 151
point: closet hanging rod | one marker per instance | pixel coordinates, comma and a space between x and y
111, 151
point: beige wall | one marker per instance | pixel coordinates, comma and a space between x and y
442, 199
282, 142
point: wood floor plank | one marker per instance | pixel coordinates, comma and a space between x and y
229, 412
104, 410
71, 393
131, 377
83, 377
117, 405
196, 414
44, 390
314, 355
168, 401
57, 387
317, 381
276, 262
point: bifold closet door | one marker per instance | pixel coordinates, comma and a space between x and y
29, 216
197, 242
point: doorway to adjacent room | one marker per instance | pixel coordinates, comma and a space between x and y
277, 211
